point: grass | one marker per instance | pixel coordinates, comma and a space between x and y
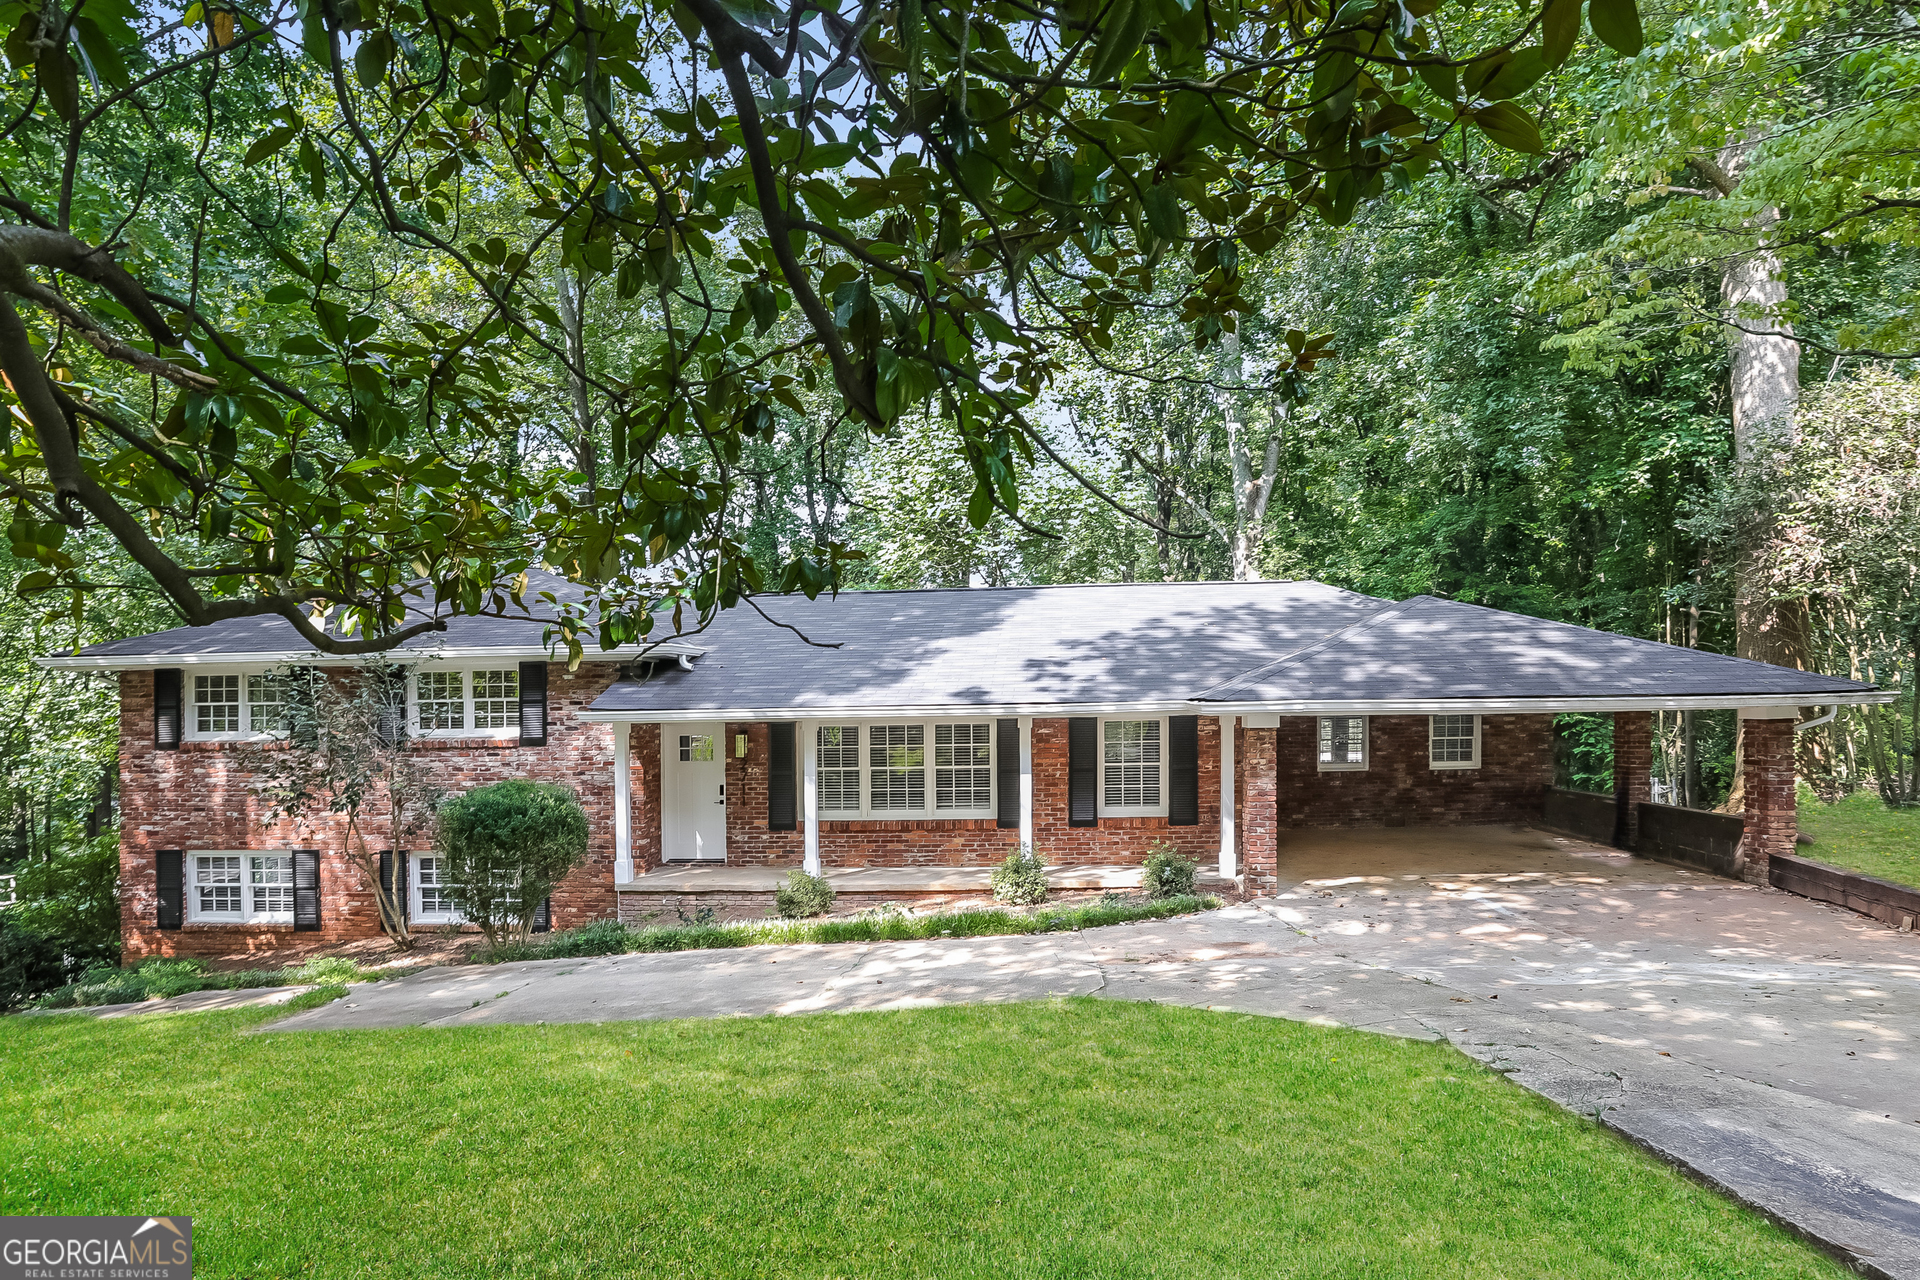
1862, 834
610, 937
159, 978
1078, 1138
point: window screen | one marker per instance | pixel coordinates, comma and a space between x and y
216, 704
1343, 740
1452, 740
270, 882
496, 699
897, 767
216, 880
442, 697
436, 896
1131, 756
838, 768
963, 766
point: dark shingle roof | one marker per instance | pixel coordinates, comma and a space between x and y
1426, 648
1300, 646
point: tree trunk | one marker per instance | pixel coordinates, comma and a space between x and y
1250, 491
393, 916
571, 293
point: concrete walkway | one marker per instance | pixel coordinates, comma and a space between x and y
1763, 1041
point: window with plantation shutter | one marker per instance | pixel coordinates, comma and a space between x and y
963, 766
1131, 759
166, 709
896, 767
1453, 742
838, 768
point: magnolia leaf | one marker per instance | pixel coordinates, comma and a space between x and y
267, 144
1164, 214
60, 81
1509, 126
1516, 75
1559, 29
1617, 22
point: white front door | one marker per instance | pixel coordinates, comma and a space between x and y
693, 793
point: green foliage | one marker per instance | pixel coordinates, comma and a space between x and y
435, 294
1021, 879
162, 978
313, 999
71, 895
611, 938
1165, 874
506, 846
32, 962
801, 896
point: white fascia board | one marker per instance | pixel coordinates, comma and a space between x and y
1322, 706
310, 657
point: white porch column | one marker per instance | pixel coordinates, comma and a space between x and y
1026, 782
622, 802
1229, 829
810, 791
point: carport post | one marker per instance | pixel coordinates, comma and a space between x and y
1632, 774
1260, 833
622, 802
1771, 821
1229, 835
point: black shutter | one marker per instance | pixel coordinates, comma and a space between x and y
543, 918
393, 706
166, 711
533, 704
393, 876
169, 868
1083, 772
306, 890
1006, 774
782, 786
1183, 771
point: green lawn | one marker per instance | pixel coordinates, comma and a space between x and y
1071, 1138
1862, 834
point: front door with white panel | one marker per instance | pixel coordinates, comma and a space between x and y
693, 793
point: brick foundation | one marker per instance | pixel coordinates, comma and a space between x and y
1771, 820
197, 798
1632, 773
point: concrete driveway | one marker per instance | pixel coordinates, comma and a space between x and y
1766, 1042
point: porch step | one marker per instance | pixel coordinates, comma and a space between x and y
885, 879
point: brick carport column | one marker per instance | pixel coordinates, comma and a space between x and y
1632, 773
1772, 819
1259, 802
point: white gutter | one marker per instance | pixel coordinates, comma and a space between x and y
1318, 706
399, 657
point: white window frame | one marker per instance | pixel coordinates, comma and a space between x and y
190, 874
1102, 808
1344, 766
929, 810
416, 910
468, 718
1453, 764
190, 704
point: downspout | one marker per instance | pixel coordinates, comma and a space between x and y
686, 664
1804, 725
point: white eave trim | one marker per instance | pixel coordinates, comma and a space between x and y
1301, 707
399, 657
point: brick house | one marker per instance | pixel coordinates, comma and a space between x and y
936, 730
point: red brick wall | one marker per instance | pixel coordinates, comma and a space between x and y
1259, 821
198, 798
1632, 771
1398, 787
1771, 818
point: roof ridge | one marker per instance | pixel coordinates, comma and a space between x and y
1357, 624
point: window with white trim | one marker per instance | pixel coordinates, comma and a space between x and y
696, 747
240, 887
433, 901
1342, 744
267, 703
1453, 742
448, 703
885, 770
1133, 777
963, 766
837, 768
216, 705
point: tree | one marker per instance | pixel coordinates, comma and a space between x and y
506, 846
285, 266
343, 749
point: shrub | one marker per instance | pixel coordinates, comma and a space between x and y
506, 846
803, 896
30, 962
1021, 879
1166, 874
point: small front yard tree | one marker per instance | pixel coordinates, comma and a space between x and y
506, 846
341, 746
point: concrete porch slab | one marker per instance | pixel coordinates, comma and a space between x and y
724, 879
